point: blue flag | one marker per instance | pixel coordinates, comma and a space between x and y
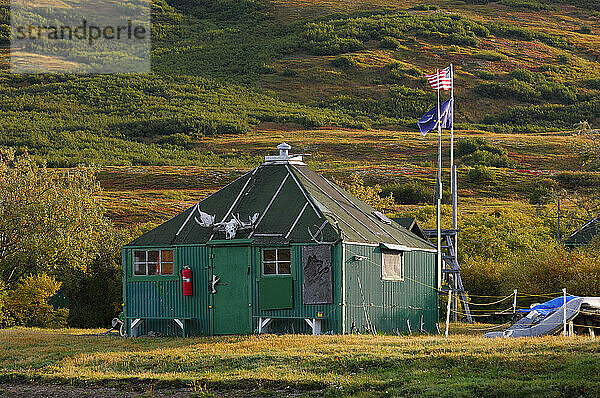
429, 120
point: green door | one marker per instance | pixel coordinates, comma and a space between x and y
231, 309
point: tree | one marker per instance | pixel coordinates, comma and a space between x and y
27, 304
95, 294
368, 194
48, 218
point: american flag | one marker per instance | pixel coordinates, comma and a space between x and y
441, 79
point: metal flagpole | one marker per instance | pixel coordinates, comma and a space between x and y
439, 186
453, 182
453, 188
452, 127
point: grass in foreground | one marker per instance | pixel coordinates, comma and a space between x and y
462, 365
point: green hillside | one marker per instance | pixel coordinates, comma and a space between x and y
231, 67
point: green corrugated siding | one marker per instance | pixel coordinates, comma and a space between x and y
332, 313
390, 303
163, 297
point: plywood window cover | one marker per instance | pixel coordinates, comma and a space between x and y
317, 284
159, 263
392, 265
278, 261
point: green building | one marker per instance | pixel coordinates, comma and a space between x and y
281, 250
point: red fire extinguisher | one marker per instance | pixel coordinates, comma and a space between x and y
186, 276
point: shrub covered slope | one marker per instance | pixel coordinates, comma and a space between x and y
227, 67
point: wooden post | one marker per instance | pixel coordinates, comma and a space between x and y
515, 303
590, 328
571, 328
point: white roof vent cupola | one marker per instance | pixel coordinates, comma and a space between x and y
284, 155
284, 148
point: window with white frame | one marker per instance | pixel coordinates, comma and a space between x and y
276, 262
392, 265
153, 262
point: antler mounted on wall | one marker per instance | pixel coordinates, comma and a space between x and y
317, 237
206, 220
229, 227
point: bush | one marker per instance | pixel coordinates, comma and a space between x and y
71, 119
178, 139
411, 193
575, 180
512, 89
402, 103
503, 29
414, 192
485, 158
525, 75
4, 316
95, 295
549, 269
546, 116
391, 43
507, 249
27, 304
530, 87
267, 69
344, 62
593, 84
467, 146
490, 55
477, 151
344, 34
4, 34
485, 75
397, 73
371, 195
481, 175
334, 46
541, 191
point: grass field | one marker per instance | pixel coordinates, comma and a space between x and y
138, 194
463, 365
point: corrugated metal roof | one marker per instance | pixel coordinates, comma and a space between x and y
294, 204
355, 218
